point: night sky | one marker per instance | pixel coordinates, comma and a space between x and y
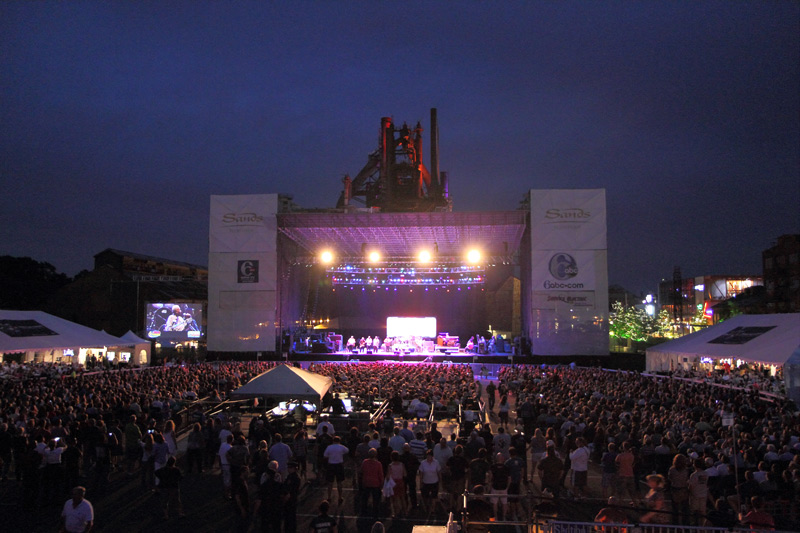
118, 120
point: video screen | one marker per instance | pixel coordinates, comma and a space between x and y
411, 326
174, 321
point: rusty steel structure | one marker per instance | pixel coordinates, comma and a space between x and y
395, 178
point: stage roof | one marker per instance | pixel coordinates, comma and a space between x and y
495, 233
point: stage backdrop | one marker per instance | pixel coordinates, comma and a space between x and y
242, 273
569, 272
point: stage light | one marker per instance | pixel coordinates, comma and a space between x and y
326, 257
374, 257
424, 256
473, 256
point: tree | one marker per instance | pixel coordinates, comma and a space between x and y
25, 283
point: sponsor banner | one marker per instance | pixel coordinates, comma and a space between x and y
243, 223
575, 218
563, 270
563, 300
244, 271
247, 271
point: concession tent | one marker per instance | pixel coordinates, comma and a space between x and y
286, 382
47, 338
765, 339
141, 347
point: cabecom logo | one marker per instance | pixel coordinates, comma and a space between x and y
248, 271
563, 266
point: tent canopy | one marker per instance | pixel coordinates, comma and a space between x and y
767, 339
288, 382
132, 339
23, 331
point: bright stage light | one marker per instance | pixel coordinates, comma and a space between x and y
374, 257
473, 256
424, 256
326, 257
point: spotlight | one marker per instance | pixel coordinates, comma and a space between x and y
473, 256
326, 257
424, 256
374, 257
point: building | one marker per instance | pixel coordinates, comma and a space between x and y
699, 294
119, 293
782, 274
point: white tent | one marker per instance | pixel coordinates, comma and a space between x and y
286, 382
44, 337
141, 347
766, 339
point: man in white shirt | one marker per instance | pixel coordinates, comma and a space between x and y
224, 465
580, 467
77, 515
324, 423
334, 455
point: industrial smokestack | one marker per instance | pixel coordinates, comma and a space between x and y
435, 153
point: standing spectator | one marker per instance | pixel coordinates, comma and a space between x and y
78, 514
324, 440
411, 463
478, 469
678, 477
133, 438
500, 478
194, 449
501, 442
170, 439
371, 482
291, 487
300, 451
608, 462
418, 446
657, 508
238, 456
270, 499
698, 492
148, 461
397, 473
240, 493
625, 473
550, 469
490, 393
430, 476
323, 523
334, 456
225, 466
579, 459
516, 469
457, 465
397, 441
504, 409
280, 452
169, 487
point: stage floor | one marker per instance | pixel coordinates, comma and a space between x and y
414, 357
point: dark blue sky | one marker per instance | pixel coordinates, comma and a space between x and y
118, 120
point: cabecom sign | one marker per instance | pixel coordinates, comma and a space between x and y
563, 266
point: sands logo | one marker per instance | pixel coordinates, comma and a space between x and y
569, 214
242, 219
247, 271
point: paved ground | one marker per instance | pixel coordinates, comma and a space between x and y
124, 506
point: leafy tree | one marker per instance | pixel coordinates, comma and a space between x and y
25, 283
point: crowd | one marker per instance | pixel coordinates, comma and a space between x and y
59, 428
672, 434
748, 376
433, 384
57, 425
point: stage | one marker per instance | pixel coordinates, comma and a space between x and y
453, 356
